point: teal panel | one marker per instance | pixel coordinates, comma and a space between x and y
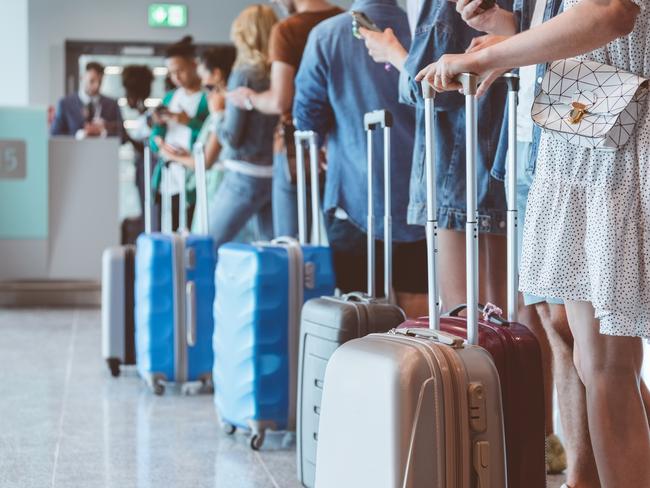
24, 194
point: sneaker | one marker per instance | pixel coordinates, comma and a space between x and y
555, 455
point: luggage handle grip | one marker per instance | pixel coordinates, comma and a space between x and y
439, 336
497, 319
355, 296
190, 319
381, 118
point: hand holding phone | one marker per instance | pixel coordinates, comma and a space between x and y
359, 19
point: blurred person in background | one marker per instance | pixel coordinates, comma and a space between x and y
246, 136
88, 113
179, 120
137, 81
287, 43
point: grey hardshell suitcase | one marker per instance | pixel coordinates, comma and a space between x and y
416, 407
328, 322
118, 304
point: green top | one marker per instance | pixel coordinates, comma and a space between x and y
195, 125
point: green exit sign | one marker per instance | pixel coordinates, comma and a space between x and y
167, 15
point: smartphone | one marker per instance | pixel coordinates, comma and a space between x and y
359, 19
488, 4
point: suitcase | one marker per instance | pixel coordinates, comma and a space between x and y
118, 329
417, 407
174, 297
513, 346
261, 288
328, 322
118, 308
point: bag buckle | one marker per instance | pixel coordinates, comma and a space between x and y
578, 112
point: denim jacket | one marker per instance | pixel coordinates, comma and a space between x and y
336, 84
523, 10
247, 135
441, 30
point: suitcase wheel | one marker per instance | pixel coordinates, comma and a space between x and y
257, 440
158, 387
114, 366
229, 429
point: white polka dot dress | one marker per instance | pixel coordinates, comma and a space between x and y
587, 229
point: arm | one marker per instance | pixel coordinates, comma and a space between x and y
212, 148
311, 107
60, 125
276, 100
583, 28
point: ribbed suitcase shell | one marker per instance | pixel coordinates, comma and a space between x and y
327, 323
518, 360
396, 413
156, 305
255, 349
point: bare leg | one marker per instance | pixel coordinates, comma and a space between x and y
581, 471
610, 368
492, 268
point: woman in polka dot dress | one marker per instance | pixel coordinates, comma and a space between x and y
587, 235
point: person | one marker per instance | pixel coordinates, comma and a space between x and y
384, 47
214, 67
137, 80
179, 120
287, 43
88, 113
246, 136
332, 101
577, 247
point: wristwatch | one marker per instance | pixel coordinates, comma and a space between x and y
248, 104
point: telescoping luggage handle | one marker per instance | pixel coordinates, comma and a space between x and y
470, 83
309, 136
372, 120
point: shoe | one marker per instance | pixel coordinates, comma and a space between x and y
555, 455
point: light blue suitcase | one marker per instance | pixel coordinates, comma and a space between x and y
174, 295
261, 288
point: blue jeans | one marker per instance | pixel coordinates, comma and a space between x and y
285, 204
239, 198
524, 180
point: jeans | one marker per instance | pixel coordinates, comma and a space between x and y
524, 180
285, 204
239, 198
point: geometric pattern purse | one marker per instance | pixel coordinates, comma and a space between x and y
590, 104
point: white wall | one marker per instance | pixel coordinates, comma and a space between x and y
52, 22
14, 30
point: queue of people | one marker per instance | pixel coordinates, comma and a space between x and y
586, 250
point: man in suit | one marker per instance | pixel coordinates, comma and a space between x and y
88, 113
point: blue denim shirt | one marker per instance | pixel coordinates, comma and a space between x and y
441, 30
523, 10
337, 83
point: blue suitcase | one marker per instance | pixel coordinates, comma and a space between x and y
174, 295
261, 290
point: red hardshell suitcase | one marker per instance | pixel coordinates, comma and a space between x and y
513, 346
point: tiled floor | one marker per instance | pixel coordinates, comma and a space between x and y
65, 423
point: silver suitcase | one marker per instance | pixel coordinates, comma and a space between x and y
118, 303
328, 322
417, 407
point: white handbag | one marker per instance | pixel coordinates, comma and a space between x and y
589, 104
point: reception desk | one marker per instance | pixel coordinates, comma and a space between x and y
60, 210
